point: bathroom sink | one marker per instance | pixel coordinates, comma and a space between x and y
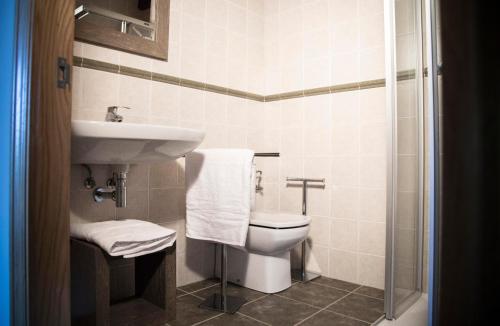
96, 142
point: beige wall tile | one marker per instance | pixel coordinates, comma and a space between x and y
318, 111
192, 104
372, 63
320, 231
318, 201
345, 171
372, 105
237, 111
371, 30
371, 270
345, 36
270, 168
345, 67
135, 93
315, 15
344, 235
135, 61
292, 142
371, 239
95, 52
271, 197
163, 175
343, 265
345, 139
345, 107
292, 112
372, 205
165, 101
166, 204
84, 208
372, 172
76, 88
216, 136
345, 202
237, 137
99, 90
317, 142
291, 199
321, 256
341, 11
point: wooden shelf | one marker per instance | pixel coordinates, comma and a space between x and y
94, 289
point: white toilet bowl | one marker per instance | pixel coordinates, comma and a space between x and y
264, 263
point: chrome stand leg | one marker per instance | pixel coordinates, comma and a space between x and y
304, 275
221, 301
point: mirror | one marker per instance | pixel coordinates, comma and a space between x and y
136, 26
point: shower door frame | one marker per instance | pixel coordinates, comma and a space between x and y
391, 310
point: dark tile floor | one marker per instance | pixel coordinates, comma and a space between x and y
323, 301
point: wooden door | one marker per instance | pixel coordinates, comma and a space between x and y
49, 164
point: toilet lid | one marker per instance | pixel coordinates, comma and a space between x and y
278, 220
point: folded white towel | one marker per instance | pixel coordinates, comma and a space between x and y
218, 183
127, 238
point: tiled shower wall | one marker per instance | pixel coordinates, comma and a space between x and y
264, 47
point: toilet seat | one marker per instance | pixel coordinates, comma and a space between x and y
278, 221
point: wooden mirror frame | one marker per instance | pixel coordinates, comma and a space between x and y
108, 37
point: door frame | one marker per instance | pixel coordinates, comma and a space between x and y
20, 158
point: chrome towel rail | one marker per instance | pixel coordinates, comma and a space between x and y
267, 154
261, 155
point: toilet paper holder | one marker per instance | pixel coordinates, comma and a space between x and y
303, 275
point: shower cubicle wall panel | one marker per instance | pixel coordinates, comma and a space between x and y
405, 160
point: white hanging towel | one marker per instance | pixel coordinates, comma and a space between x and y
127, 238
218, 195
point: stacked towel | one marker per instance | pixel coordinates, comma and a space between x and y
218, 195
127, 238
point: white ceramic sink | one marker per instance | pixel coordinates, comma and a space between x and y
96, 142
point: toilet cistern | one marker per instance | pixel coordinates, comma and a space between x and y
304, 275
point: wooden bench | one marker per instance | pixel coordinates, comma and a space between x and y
101, 297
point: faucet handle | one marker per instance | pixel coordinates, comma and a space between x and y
114, 108
113, 116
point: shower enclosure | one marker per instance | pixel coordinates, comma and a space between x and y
404, 34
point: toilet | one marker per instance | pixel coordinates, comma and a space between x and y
264, 263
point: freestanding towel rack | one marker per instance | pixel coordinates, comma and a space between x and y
303, 274
221, 301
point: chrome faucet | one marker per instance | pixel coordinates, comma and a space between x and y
113, 115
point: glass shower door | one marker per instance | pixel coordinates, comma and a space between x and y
404, 81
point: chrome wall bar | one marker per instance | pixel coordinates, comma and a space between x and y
267, 154
303, 274
261, 155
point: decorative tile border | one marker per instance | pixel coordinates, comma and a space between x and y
168, 79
